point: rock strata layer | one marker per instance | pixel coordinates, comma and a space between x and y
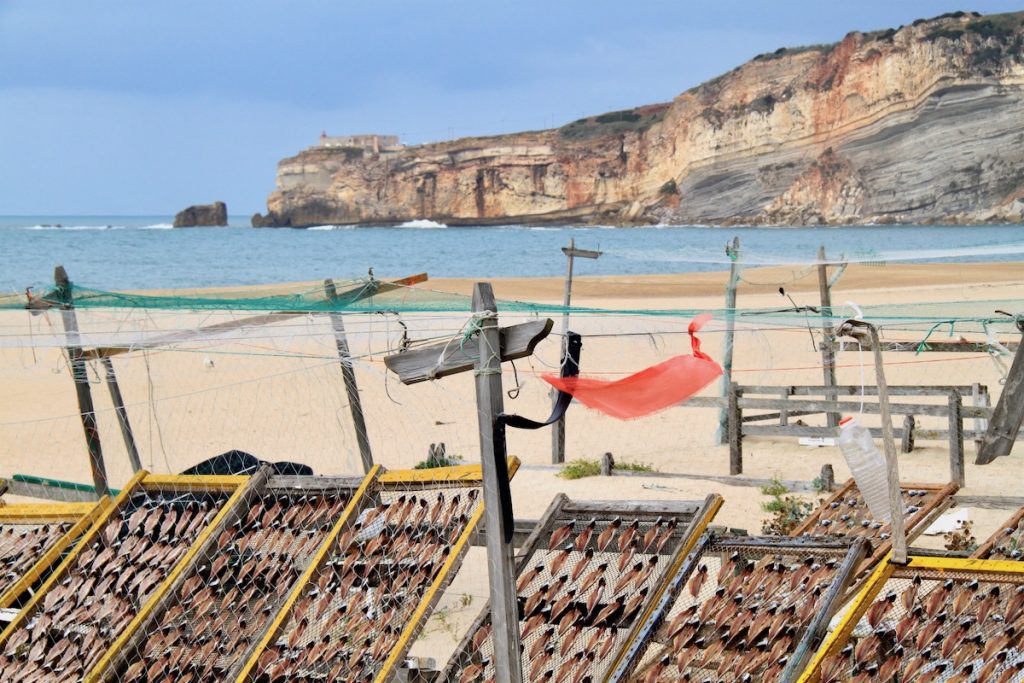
912, 125
202, 215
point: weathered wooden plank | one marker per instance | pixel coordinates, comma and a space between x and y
990, 502
457, 355
1007, 416
800, 430
80, 376
313, 483
956, 440
348, 373
735, 430
725, 413
856, 390
932, 409
501, 572
828, 356
641, 509
122, 414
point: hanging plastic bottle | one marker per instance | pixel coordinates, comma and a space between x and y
867, 466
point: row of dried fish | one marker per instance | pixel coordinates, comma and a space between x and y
592, 580
237, 589
102, 590
22, 545
742, 621
350, 617
926, 630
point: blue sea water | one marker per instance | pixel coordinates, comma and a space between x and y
143, 252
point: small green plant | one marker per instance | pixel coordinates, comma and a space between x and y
437, 457
787, 512
578, 469
633, 467
581, 468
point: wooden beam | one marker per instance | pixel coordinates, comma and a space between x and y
828, 357
349, 296
348, 371
122, 414
733, 251
956, 440
500, 561
1007, 416
735, 430
80, 375
458, 355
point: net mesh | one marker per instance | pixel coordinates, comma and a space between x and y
936, 625
581, 585
234, 589
743, 612
361, 608
119, 566
846, 514
1007, 542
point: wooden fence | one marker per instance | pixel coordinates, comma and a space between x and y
784, 403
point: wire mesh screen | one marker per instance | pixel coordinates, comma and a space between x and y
846, 514
362, 607
743, 610
585, 576
32, 540
116, 570
238, 585
945, 624
1007, 543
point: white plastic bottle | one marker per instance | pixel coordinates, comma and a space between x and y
867, 466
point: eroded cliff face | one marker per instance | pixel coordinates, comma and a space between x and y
920, 124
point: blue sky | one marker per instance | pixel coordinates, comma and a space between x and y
144, 107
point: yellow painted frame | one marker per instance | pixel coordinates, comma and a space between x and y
195, 482
158, 483
876, 582
673, 569
83, 514
58, 573
314, 564
440, 475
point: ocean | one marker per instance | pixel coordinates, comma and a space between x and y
144, 252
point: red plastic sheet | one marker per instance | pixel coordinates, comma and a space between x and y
648, 391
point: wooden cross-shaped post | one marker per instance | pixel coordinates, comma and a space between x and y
1009, 411
500, 560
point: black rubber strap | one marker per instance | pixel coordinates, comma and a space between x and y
570, 368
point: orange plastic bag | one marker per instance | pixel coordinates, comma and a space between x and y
648, 391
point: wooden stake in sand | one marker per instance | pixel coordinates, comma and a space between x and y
80, 374
733, 252
558, 429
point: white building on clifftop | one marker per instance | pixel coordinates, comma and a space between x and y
368, 143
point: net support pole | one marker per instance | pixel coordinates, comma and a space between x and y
828, 354
80, 374
348, 372
558, 428
733, 252
500, 560
1005, 423
122, 414
865, 331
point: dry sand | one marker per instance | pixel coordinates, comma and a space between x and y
277, 393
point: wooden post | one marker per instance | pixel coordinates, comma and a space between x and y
1008, 413
857, 329
956, 439
979, 398
827, 478
558, 428
348, 372
122, 414
735, 430
828, 356
784, 394
500, 561
733, 251
909, 424
80, 374
607, 465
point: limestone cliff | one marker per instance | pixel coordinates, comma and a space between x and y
920, 124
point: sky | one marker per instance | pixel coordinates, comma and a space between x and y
130, 107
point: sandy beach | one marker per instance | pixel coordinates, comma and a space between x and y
276, 392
